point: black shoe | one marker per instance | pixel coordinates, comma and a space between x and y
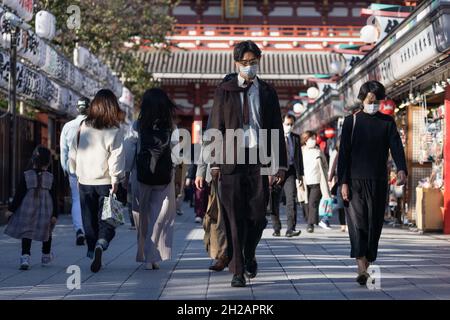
276, 234
97, 263
238, 281
251, 268
362, 278
291, 233
80, 238
310, 228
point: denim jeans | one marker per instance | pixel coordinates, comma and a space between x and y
97, 231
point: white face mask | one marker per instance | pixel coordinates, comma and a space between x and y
249, 71
371, 108
287, 129
311, 143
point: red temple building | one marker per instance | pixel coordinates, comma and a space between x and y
299, 40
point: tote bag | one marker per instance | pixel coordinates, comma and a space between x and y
113, 211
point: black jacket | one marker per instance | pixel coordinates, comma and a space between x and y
227, 114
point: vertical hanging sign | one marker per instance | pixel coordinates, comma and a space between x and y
232, 9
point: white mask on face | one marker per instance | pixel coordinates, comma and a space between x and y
371, 108
249, 71
287, 129
311, 143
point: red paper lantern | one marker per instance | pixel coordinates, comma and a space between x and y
387, 106
319, 139
330, 133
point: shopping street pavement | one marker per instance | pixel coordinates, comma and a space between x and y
312, 266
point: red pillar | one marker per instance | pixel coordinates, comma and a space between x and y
447, 163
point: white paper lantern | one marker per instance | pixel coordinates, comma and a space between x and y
337, 67
23, 8
45, 25
313, 92
299, 108
127, 97
369, 34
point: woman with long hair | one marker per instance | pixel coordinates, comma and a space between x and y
150, 164
98, 160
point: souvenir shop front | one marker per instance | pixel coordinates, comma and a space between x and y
413, 63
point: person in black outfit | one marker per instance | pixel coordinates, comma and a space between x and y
244, 101
367, 136
295, 171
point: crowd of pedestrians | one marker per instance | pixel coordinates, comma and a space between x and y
103, 158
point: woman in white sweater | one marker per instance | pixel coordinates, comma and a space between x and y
315, 168
98, 160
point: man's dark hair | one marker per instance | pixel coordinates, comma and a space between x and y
374, 87
245, 46
289, 116
83, 105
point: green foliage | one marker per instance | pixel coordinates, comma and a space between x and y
107, 25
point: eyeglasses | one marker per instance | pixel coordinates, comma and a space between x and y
249, 62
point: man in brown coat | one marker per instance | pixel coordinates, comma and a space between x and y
243, 101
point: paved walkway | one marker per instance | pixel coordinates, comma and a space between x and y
312, 266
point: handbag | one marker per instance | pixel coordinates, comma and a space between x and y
326, 207
113, 211
302, 195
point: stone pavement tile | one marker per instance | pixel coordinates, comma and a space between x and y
134, 294
407, 292
354, 291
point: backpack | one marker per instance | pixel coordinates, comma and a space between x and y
154, 160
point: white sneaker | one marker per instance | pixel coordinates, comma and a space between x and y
198, 220
47, 259
25, 262
323, 225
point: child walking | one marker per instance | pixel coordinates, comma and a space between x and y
33, 210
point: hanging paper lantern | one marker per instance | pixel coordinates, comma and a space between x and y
23, 8
369, 34
330, 133
319, 139
45, 25
337, 67
313, 93
387, 106
299, 108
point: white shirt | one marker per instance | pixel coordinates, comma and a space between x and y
68, 134
311, 165
252, 129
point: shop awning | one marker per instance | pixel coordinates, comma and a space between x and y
215, 64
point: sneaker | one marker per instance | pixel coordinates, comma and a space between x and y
80, 237
310, 228
276, 234
47, 258
97, 263
25, 262
323, 225
198, 220
179, 212
343, 228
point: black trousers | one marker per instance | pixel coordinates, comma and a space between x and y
290, 190
365, 216
244, 195
311, 209
26, 246
95, 229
